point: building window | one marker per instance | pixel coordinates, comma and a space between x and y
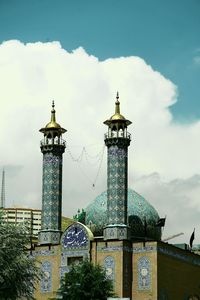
74, 260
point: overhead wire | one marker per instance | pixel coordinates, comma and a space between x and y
85, 156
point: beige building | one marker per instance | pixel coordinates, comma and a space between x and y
29, 217
143, 271
119, 230
25, 216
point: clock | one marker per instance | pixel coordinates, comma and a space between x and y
75, 237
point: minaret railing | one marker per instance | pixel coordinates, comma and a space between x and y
114, 134
58, 142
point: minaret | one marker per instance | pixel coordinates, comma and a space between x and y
2, 204
117, 139
52, 147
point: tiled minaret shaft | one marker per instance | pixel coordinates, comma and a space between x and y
52, 147
117, 141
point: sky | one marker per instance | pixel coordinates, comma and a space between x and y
80, 53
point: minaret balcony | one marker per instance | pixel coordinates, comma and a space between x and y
59, 142
117, 134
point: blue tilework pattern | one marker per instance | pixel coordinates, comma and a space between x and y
46, 281
194, 260
75, 237
63, 270
52, 191
45, 252
138, 210
114, 248
144, 273
109, 265
117, 184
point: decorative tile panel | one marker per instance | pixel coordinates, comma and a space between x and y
45, 252
113, 249
194, 260
75, 252
116, 231
46, 281
144, 249
117, 183
51, 194
109, 265
144, 273
75, 237
52, 191
49, 237
63, 271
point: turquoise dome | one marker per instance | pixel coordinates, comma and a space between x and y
138, 210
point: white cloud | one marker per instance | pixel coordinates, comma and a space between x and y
178, 200
84, 91
197, 60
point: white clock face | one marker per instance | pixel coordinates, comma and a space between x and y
144, 272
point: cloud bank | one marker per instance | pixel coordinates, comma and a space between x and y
84, 89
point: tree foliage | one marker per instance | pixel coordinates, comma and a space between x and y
18, 270
86, 281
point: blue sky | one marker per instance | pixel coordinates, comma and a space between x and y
166, 34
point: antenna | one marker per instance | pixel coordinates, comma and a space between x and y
2, 203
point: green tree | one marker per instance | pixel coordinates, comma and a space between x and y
86, 281
18, 270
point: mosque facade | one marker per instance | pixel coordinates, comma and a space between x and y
119, 230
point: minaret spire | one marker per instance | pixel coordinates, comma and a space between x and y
2, 203
52, 147
117, 104
117, 140
53, 113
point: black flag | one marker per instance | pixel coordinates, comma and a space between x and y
160, 222
192, 239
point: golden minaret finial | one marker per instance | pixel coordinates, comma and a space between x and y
117, 104
117, 97
117, 117
53, 125
53, 113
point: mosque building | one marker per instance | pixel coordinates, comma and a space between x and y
119, 230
